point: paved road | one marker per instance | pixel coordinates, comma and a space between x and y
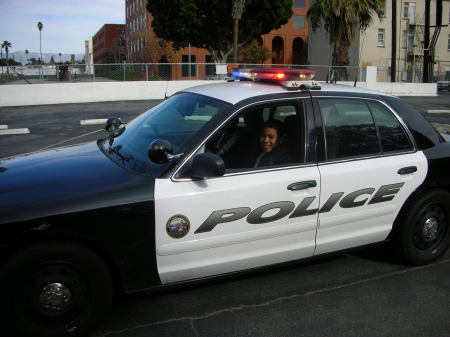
366, 293
363, 293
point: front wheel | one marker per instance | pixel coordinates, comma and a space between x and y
54, 289
424, 231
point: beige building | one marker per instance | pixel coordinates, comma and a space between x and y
375, 42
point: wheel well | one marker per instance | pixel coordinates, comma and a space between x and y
417, 193
100, 251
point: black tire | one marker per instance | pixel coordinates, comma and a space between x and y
54, 289
424, 229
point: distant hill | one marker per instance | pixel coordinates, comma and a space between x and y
20, 56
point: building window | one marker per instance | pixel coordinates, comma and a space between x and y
210, 69
383, 11
449, 15
448, 43
409, 12
299, 21
380, 37
299, 3
185, 67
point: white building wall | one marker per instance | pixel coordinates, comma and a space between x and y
373, 54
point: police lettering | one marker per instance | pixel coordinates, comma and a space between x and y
283, 208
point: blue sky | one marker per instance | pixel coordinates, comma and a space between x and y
67, 23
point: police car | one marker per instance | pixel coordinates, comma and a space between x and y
214, 180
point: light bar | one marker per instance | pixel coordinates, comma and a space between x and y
262, 74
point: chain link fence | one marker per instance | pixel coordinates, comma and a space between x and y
186, 71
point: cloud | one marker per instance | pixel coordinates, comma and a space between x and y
67, 23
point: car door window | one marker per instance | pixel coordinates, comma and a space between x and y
393, 136
240, 145
349, 128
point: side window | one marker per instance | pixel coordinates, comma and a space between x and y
393, 137
349, 128
261, 136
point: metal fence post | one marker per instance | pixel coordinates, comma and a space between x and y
146, 71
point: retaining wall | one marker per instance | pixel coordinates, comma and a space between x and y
60, 93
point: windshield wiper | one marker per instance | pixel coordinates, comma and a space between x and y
116, 150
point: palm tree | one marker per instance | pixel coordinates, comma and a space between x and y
59, 57
236, 13
27, 52
7, 45
341, 20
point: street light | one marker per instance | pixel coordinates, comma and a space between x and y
40, 26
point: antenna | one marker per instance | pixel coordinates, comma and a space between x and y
165, 94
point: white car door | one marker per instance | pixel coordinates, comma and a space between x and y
244, 219
369, 171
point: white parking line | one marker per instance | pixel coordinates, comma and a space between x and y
92, 121
22, 131
438, 111
3, 127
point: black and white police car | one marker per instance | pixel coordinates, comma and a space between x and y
216, 179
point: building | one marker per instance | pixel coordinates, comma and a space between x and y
143, 46
375, 43
373, 46
286, 45
109, 41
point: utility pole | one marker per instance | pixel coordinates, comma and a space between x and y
426, 44
394, 40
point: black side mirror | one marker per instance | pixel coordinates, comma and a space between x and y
114, 126
159, 151
207, 165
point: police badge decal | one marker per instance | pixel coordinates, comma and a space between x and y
178, 226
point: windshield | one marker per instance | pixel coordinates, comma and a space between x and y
176, 119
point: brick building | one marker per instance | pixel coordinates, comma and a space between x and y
109, 39
286, 45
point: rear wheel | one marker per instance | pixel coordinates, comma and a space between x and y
54, 289
424, 232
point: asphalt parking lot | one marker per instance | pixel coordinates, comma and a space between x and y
367, 292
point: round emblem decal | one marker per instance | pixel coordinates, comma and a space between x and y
178, 226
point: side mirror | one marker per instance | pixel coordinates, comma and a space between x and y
159, 151
207, 165
114, 127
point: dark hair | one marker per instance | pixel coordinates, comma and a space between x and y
277, 125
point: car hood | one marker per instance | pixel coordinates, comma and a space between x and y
65, 180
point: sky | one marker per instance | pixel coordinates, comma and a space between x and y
67, 23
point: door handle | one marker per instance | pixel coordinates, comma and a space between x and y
407, 170
302, 185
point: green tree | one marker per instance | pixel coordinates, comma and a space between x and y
108, 58
341, 20
209, 24
254, 52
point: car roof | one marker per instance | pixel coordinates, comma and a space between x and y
234, 92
